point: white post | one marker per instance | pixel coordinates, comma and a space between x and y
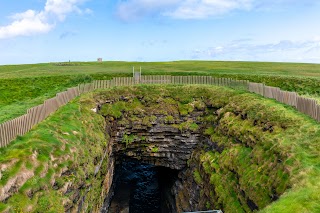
140, 72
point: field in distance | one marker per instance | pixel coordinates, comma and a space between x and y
175, 68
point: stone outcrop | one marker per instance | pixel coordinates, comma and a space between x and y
160, 143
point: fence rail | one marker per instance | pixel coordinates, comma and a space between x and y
21, 125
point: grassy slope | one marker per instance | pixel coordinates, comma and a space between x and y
25, 86
18, 95
295, 138
54, 154
81, 134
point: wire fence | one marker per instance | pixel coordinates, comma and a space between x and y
21, 125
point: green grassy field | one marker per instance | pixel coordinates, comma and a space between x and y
25, 86
176, 68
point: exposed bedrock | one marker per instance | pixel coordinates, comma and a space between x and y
219, 166
160, 144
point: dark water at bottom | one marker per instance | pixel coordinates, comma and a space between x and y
137, 189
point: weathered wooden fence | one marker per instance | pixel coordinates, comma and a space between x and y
21, 125
305, 105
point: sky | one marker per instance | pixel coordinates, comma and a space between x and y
37, 31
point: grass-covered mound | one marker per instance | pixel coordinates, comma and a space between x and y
54, 165
263, 150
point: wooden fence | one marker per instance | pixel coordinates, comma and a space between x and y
305, 105
21, 125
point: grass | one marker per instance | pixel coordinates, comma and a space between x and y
112, 68
25, 86
19, 94
51, 148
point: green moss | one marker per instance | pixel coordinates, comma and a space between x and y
185, 109
29, 165
33, 183
3, 207
39, 169
128, 139
143, 138
114, 110
209, 131
194, 127
208, 205
197, 177
169, 119
50, 202
186, 126
20, 202
155, 149
148, 120
7, 174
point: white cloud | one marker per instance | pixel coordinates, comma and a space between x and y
247, 50
199, 9
33, 22
61, 8
26, 23
134, 9
180, 9
196, 9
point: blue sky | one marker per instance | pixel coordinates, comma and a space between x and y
34, 31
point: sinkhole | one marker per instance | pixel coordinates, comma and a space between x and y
192, 149
140, 187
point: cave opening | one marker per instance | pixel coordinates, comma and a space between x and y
140, 187
225, 157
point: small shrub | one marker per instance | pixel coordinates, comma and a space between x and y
143, 138
185, 109
169, 119
128, 139
188, 125
155, 149
208, 205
